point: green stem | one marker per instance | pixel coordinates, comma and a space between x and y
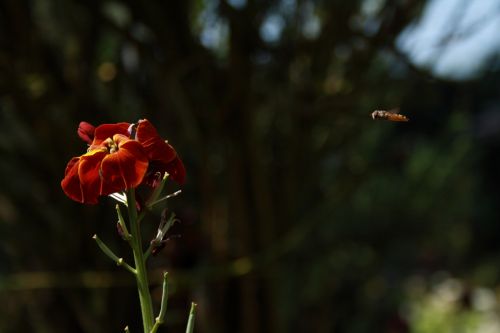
157, 191
122, 223
148, 251
176, 193
192, 313
140, 264
163, 309
107, 251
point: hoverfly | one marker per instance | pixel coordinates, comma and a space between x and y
391, 115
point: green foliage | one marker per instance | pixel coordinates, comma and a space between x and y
449, 306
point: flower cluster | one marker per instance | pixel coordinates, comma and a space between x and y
119, 157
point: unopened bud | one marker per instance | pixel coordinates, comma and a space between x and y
86, 132
120, 230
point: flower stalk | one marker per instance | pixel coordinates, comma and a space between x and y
107, 251
140, 264
157, 191
122, 225
176, 193
163, 309
192, 314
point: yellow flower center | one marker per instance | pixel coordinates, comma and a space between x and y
111, 145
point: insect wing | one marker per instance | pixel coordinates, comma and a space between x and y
393, 111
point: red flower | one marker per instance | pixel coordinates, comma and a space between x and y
120, 156
117, 164
162, 156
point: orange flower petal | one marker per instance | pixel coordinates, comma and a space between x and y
123, 169
104, 131
71, 182
89, 176
176, 170
156, 148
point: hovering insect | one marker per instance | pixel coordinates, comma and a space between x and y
391, 115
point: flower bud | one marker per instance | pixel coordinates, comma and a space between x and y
86, 132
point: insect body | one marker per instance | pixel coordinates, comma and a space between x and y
391, 115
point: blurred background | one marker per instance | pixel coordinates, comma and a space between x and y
300, 213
